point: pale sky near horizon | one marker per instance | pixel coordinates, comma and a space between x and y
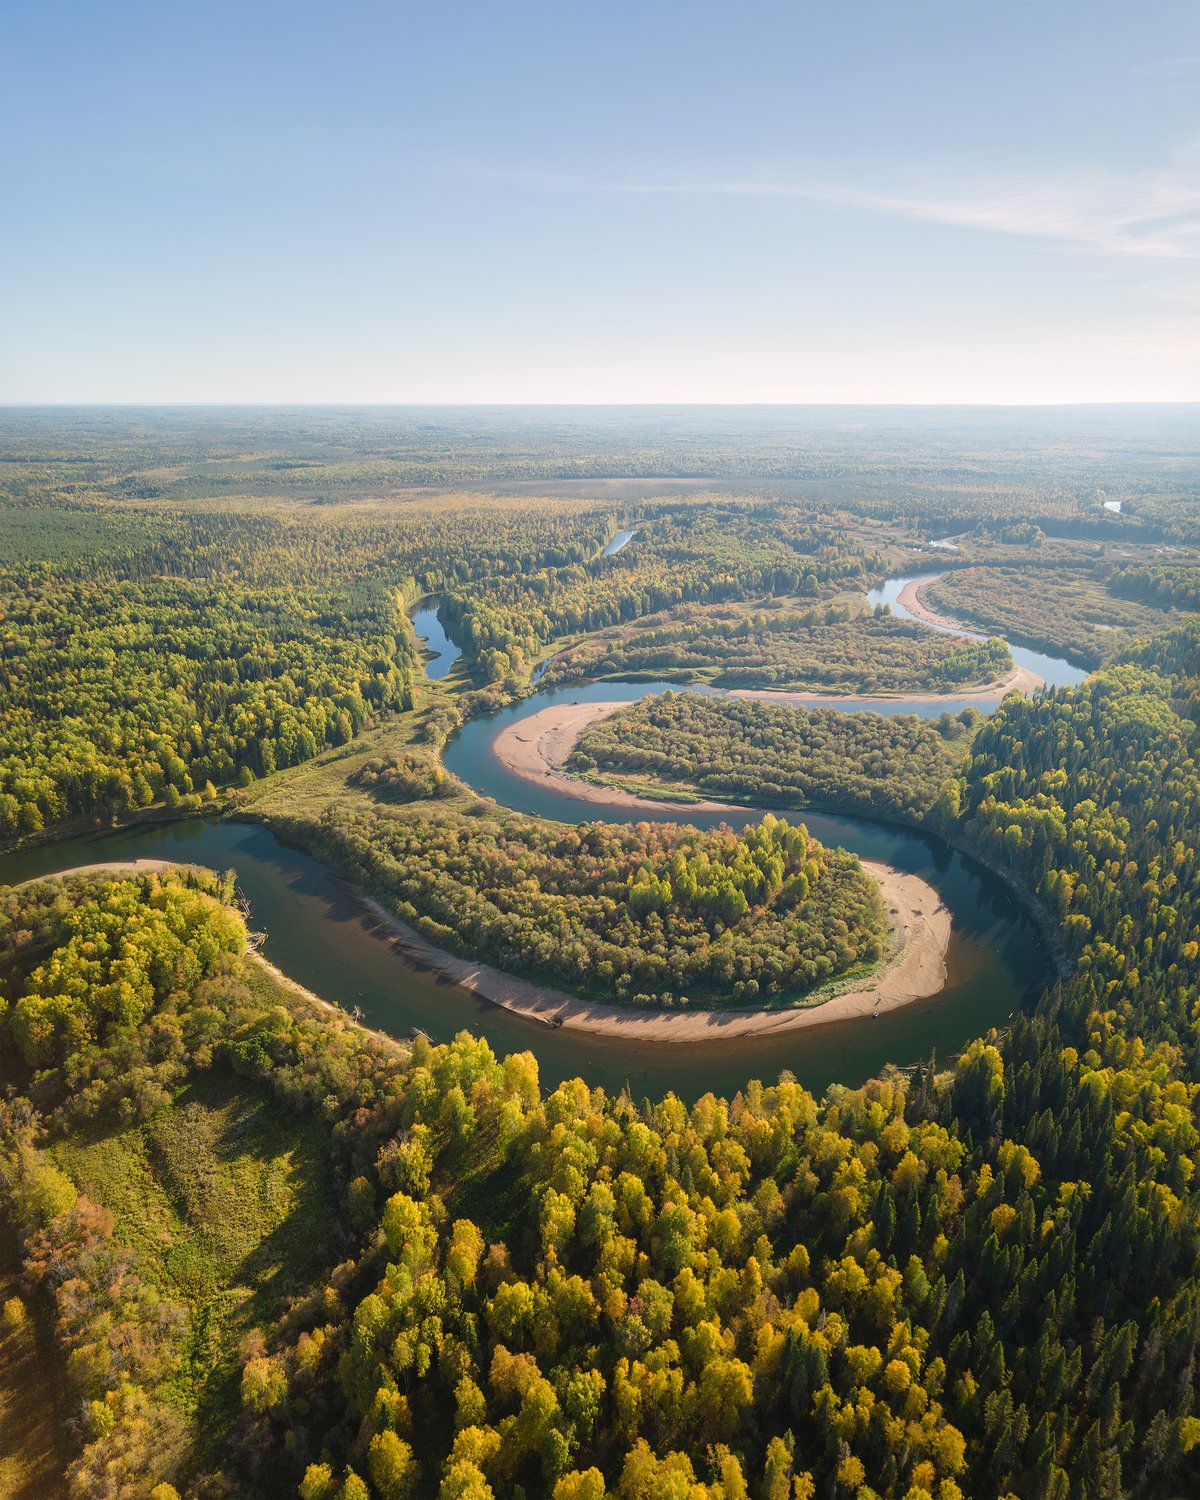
628, 202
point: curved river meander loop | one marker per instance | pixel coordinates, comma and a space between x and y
320, 936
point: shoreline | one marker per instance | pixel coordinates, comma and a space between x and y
1021, 679
915, 970
148, 866
536, 748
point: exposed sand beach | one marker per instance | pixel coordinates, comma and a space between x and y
1020, 679
113, 867
537, 747
917, 970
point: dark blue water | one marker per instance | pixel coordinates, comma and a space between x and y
444, 653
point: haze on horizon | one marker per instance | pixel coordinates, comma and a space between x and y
536, 203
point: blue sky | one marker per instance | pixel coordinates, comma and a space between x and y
857, 201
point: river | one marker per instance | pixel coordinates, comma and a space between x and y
320, 936
619, 542
427, 627
1053, 670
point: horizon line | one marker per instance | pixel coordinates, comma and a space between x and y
275, 405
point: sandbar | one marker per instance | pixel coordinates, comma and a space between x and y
1020, 679
536, 748
915, 971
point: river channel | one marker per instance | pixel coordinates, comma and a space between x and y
320, 936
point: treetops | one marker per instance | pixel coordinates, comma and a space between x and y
647, 914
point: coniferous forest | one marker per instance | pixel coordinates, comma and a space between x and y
254, 1244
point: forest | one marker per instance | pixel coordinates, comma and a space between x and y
249, 1247
980, 1280
779, 755
696, 553
121, 696
835, 648
647, 915
1070, 612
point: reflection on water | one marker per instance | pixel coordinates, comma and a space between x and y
428, 627
322, 938
622, 539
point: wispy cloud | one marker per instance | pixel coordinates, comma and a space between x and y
1153, 214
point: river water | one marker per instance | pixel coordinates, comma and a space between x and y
619, 542
319, 935
1052, 669
428, 627
322, 938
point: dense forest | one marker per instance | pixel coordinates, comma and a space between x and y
1167, 585
779, 755
973, 1282
706, 552
192, 652
835, 648
120, 696
250, 1248
944, 470
651, 914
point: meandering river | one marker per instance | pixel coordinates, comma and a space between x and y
320, 936
1053, 670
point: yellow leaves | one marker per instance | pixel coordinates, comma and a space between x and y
466, 1248
309, 1347
511, 1310
1002, 1216
948, 1448
864, 1361
407, 1229
264, 1384
908, 1174
894, 1137
1010, 1157
393, 1469
850, 1472
847, 1282
587, 1484
898, 1376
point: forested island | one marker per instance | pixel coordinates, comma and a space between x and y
254, 1245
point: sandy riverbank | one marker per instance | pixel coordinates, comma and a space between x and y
114, 867
916, 971
309, 997
1020, 679
536, 748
